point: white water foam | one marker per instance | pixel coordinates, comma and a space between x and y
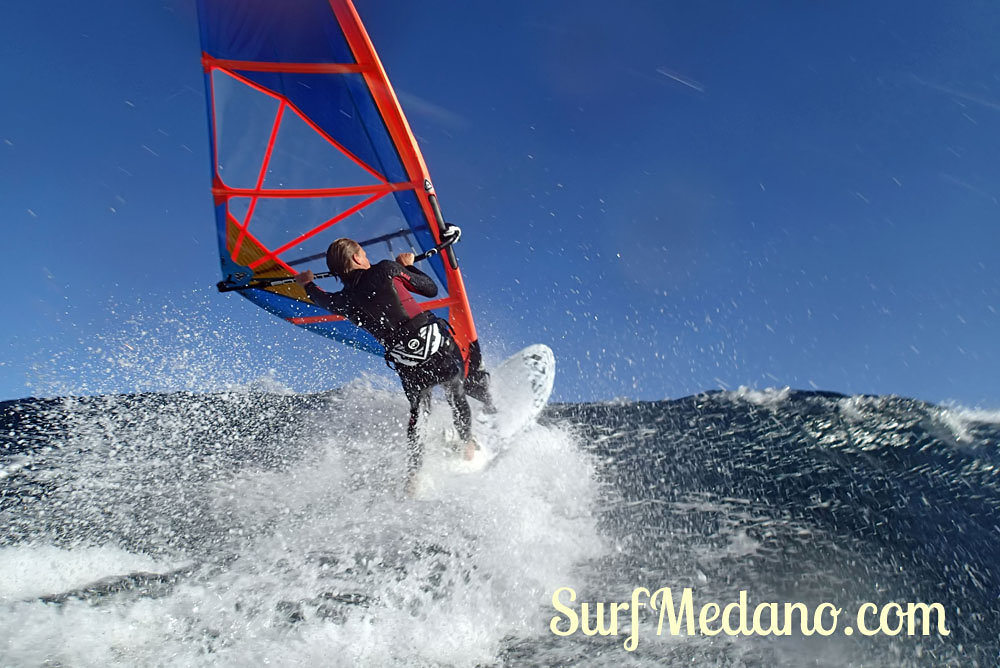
766, 397
959, 420
278, 550
31, 571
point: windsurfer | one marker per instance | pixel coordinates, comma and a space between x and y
419, 345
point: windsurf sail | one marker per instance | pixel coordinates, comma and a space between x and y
308, 143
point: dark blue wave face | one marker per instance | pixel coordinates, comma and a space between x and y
807, 497
791, 497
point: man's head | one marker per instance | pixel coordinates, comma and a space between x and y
345, 255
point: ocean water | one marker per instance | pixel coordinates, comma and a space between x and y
252, 528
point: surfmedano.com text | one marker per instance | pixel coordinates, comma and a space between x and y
610, 618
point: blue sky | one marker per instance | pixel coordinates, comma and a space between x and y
675, 196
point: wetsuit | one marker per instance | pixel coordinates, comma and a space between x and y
418, 343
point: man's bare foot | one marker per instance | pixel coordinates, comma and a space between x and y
411, 485
470, 449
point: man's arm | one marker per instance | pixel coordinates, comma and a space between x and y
416, 281
334, 302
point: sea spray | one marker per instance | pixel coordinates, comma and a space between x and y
252, 527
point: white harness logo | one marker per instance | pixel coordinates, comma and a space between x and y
418, 348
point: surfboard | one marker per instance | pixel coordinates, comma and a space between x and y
520, 387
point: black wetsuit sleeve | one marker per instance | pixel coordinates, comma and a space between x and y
334, 302
419, 282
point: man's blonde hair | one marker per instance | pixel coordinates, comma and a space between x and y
340, 254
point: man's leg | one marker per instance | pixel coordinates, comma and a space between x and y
454, 391
462, 415
420, 404
477, 383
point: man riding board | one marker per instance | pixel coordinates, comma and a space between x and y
418, 344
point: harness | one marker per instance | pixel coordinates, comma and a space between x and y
417, 341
